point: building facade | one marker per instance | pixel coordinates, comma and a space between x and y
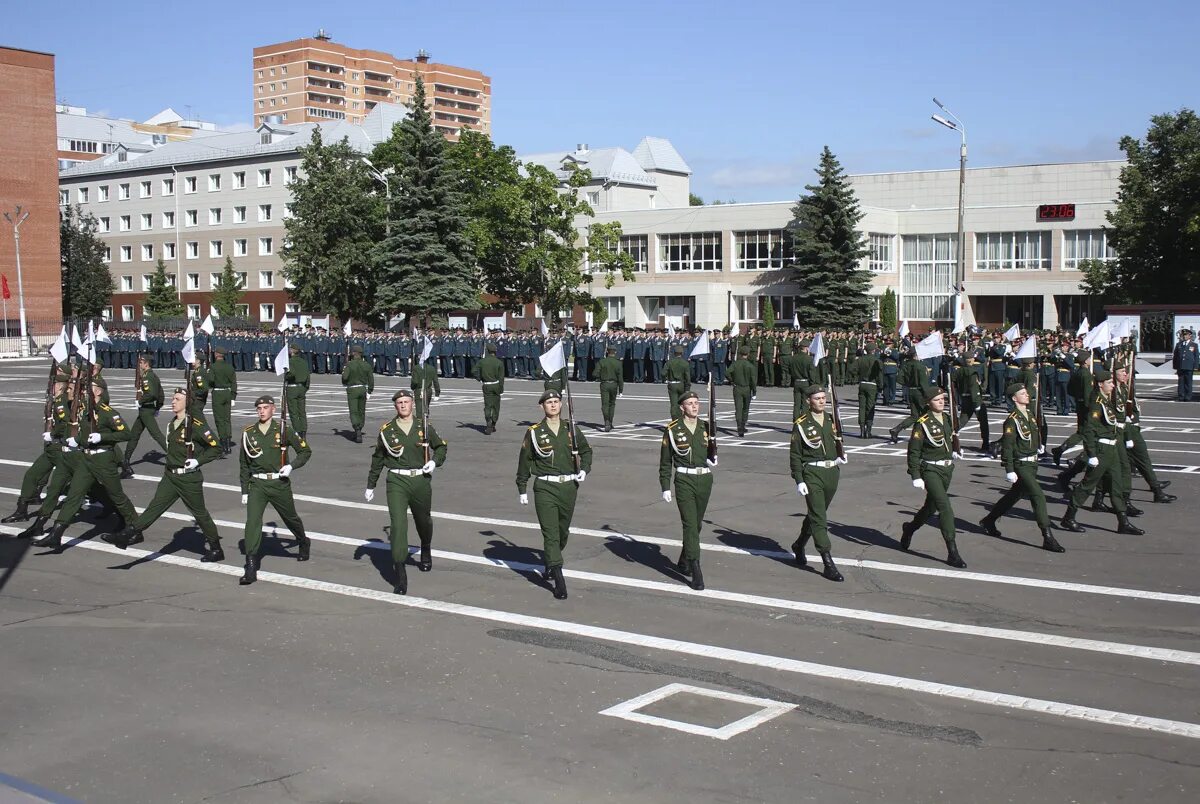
316, 79
83, 137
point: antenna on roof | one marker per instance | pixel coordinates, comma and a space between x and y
321, 35
422, 56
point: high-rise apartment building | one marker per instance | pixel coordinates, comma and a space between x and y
316, 79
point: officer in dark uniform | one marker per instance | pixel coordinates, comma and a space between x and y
890, 360
1185, 360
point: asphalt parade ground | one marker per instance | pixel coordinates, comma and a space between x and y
146, 676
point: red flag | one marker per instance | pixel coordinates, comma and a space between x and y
4, 287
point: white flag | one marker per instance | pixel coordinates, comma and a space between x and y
189, 351
282, 326
101, 335
1083, 328
426, 349
90, 354
670, 330
904, 328
190, 332
142, 333
733, 312
347, 329
1028, 349
60, 351
1097, 336
604, 326
795, 321
75, 340
1013, 333
545, 329
700, 348
554, 359
1121, 330
817, 348
208, 327
282, 360
930, 346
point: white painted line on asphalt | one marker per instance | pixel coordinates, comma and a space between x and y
767, 710
984, 697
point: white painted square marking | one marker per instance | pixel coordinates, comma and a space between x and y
768, 710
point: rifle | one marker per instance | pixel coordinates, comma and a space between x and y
187, 409
425, 409
837, 420
283, 446
49, 410
77, 401
137, 378
712, 419
1130, 401
955, 446
571, 422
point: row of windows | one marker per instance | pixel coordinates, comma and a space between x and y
266, 281
191, 184
191, 217
191, 250
266, 312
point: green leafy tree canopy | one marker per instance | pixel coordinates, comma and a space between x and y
228, 293
87, 285
161, 301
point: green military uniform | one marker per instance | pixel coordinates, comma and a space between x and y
930, 460
815, 468
744, 377
403, 449
870, 374
263, 453
297, 379
199, 392
770, 354
611, 375
1139, 454
679, 381
836, 360
804, 373
39, 474
684, 455
424, 375
359, 381
490, 373
222, 382
787, 346
1080, 389
150, 400
914, 376
972, 402
1104, 446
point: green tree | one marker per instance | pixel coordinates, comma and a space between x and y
888, 311
605, 256
695, 200
827, 251
550, 268
161, 301
87, 286
229, 291
1155, 226
768, 313
426, 264
336, 220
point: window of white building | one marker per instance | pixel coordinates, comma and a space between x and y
216, 248
147, 221
214, 182
190, 217
266, 312
144, 189
264, 177
126, 312
239, 214
104, 225
882, 257
266, 279
123, 192
169, 251
699, 251
266, 246
193, 281
759, 250
147, 252
1085, 244
189, 184
168, 186
168, 220
1012, 251
239, 247
927, 276
127, 284
191, 249
214, 216
264, 212
83, 195
124, 223
101, 193
126, 253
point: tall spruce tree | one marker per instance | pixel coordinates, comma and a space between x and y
888, 311
425, 265
228, 292
87, 286
827, 251
161, 300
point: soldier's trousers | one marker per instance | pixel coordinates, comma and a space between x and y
555, 506
785, 374
937, 498
103, 470
822, 486
145, 422
657, 373
1027, 484
768, 372
867, 391
491, 404
60, 480
741, 406
691, 498
889, 388
38, 475
674, 391
190, 489
222, 409
356, 401
608, 400
996, 382
1066, 403
981, 415
1110, 468
1139, 457
297, 402
799, 402
279, 494
404, 494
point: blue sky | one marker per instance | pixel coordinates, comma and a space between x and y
748, 91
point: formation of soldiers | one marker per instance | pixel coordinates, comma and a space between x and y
84, 437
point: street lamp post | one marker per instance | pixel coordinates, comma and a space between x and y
960, 272
16, 225
381, 177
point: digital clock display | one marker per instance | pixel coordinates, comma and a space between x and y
1056, 212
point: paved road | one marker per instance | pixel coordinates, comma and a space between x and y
146, 676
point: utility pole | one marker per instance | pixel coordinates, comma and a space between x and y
16, 225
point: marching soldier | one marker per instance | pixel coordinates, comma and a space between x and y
199, 388
611, 375
1020, 446
870, 374
891, 367
265, 476
222, 381
189, 446
1135, 443
44, 466
297, 381
549, 453
424, 376
931, 467
360, 384
914, 376
684, 455
490, 373
679, 380
1080, 388
973, 403
410, 455
816, 469
744, 376
149, 401
804, 373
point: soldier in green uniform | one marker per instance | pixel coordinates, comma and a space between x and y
973, 403
869, 371
199, 388
222, 382
409, 454
816, 469
914, 376
559, 461
804, 373
190, 445
684, 455
1139, 454
744, 377
424, 384
265, 476
360, 384
611, 375
39, 474
1079, 386
787, 347
679, 381
149, 400
931, 467
297, 381
490, 373
1020, 446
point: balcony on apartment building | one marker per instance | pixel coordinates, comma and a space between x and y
377, 80
323, 67
446, 89
325, 83
328, 101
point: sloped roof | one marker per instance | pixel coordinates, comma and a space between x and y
657, 153
164, 118
606, 164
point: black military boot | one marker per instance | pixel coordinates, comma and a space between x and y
53, 537
560, 583
1057, 453
697, 575
906, 535
212, 553
39, 524
1068, 521
1098, 503
251, 573
1133, 510
1123, 526
953, 558
831, 571
401, 587
1064, 482
682, 566
894, 435
870, 425
1159, 495
22, 513
304, 547
1050, 543
124, 537
988, 524
358, 436
1162, 484
798, 548
126, 469
425, 563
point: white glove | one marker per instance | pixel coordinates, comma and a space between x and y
524, 499
802, 488
1129, 444
1011, 477
1093, 461
93, 438
429, 467
72, 443
918, 483
667, 495
368, 397
843, 461
619, 396
710, 462
47, 437
245, 499
436, 397
285, 470
958, 455
1041, 449
369, 495
753, 397
191, 463
581, 476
